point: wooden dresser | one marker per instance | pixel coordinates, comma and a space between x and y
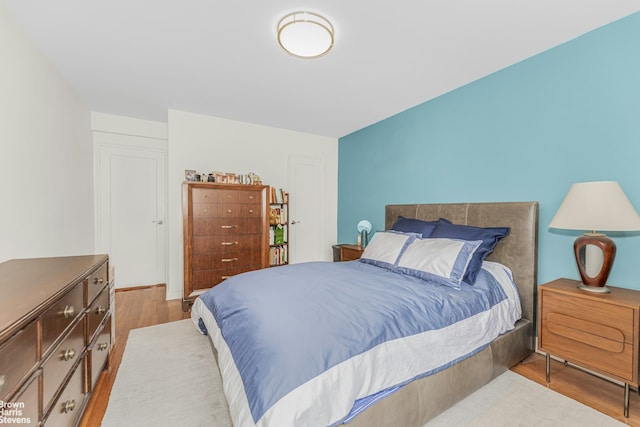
225, 232
597, 331
55, 336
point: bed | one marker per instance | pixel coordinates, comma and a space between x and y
427, 388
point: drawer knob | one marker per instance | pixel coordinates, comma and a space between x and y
226, 227
103, 346
3, 380
101, 310
228, 243
69, 311
68, 406
229, 259
250, 210
224, 277
98, 281
68, 354
229, 211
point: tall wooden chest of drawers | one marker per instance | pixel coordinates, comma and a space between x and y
225, 232
55, 334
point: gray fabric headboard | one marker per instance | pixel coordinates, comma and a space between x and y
518, 251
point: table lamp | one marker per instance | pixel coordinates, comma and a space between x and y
595, 206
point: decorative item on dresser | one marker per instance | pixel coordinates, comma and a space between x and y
55, 336
596, 331
225, 232
278, 227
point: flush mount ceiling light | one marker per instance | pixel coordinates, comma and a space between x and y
305, 34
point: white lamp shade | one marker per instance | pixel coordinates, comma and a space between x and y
596, 206
305, 34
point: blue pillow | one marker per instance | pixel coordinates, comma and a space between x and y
443, 261
410, 225
490, 236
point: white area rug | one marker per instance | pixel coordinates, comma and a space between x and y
168, 377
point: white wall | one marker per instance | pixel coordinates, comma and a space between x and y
206, 144
46, 177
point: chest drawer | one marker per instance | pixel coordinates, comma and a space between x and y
226, 226
27, 398
226, 244
239, 211
226, 260
204, 195
96, 282
61, 315
69, 405
97, 312
63, 358
99, 352
17, 357
210, 278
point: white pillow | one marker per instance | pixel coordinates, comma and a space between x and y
385, 248
439, 260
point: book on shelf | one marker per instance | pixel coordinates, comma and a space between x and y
279, 196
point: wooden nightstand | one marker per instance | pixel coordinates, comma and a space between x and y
347, 252
598, 332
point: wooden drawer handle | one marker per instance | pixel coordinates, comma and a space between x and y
102, 346
68, 406
98, 281
250, 210
228, 243
229, 259
68, 354
226, 227
101, 310
69, 311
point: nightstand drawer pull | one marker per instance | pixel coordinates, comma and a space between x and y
69, 406
69, 311
102, 346
228, 243
68, 354
575, 329
229, 259
226, 227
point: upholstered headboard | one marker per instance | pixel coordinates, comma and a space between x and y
518, 251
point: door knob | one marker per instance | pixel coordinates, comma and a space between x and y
295, 222
160, 222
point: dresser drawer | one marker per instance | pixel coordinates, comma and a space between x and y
97, 312
225, 260
226, 244
209, 278
27, 399
63, 358
61, 315
204, 195
99, 352
226, 226
96, 282
239, 211
589, 333
17, 357
69, 405
205, 210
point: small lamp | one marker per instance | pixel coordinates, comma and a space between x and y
595, 206
364, 228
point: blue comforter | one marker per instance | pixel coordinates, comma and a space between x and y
287, 326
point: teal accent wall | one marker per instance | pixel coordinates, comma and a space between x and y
527, 132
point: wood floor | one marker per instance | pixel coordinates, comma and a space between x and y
140, 307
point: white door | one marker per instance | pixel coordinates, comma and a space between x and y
131, 208
306, 216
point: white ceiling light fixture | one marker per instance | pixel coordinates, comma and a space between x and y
305, 35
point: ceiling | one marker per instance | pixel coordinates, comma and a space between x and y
139, 58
